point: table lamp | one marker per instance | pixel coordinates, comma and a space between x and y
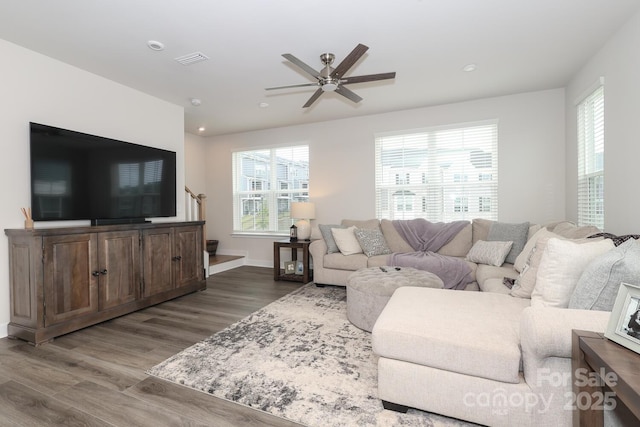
303, 212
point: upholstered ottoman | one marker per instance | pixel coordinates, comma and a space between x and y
369, 289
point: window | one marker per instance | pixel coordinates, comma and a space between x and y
265, 182
458, 166
591, 159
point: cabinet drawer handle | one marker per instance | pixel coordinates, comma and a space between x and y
177, 258
103, 272
95, 273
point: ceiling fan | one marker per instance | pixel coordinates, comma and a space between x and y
331, 79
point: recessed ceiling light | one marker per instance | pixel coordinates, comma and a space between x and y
469, 68
263, 105
195, 102
155, 45
201, 129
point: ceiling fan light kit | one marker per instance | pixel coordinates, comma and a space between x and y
331, 79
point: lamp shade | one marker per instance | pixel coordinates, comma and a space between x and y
303, 211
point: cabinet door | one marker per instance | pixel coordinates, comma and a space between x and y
188, 258
119, 267
70, 288
157, 248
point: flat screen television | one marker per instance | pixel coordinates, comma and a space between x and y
77, 176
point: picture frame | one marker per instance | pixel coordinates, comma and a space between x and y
299, 268
289, 267
624, 323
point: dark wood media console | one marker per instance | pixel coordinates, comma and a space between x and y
64, 279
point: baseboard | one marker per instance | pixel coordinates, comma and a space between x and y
4, 329
224, 266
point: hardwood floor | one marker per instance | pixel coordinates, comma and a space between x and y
96, 376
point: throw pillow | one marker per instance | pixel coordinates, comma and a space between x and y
598, 285
327, 235
490, 253
346, 240
562, 263
527, 251
372, 242
516, 233
526, 281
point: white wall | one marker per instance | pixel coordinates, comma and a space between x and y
195, 163
531, 162
39, 89
619, 62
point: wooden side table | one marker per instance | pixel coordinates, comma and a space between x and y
279, 274
604, 373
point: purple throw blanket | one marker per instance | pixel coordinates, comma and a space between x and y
426, 238
455, 273
423, 235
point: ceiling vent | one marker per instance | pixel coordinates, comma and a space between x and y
192, 58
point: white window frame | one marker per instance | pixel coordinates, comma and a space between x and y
450, 163
277, 191
591, 151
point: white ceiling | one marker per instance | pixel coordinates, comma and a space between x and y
518, 46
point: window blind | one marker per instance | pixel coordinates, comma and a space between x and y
265, 182
440, 174
591, 159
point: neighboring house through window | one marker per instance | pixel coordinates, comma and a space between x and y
591, 158
456, 170
265, 182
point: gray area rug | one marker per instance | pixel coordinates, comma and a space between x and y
298, 358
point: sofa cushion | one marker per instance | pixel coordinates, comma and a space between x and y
598, 285
472, 333
378, 261
491, 253
484, 273
372, 242
562, 263
495, 284
505, 232
394, 240
570, 230
480, 229
371, 224
327, 235
460, 245
345, 262
346, 240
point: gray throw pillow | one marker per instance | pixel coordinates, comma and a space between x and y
325, 230
516, 233
372, 242
598, 285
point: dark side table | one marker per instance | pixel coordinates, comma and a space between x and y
604, 373
279, 274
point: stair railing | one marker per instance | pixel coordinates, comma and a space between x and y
195, 210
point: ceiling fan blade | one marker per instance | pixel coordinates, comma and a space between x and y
349, 61
305, 67
290, 86
348, 94
313, 98
367, 78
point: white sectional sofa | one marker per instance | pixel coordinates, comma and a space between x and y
331, 267
484, 357
500, 356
